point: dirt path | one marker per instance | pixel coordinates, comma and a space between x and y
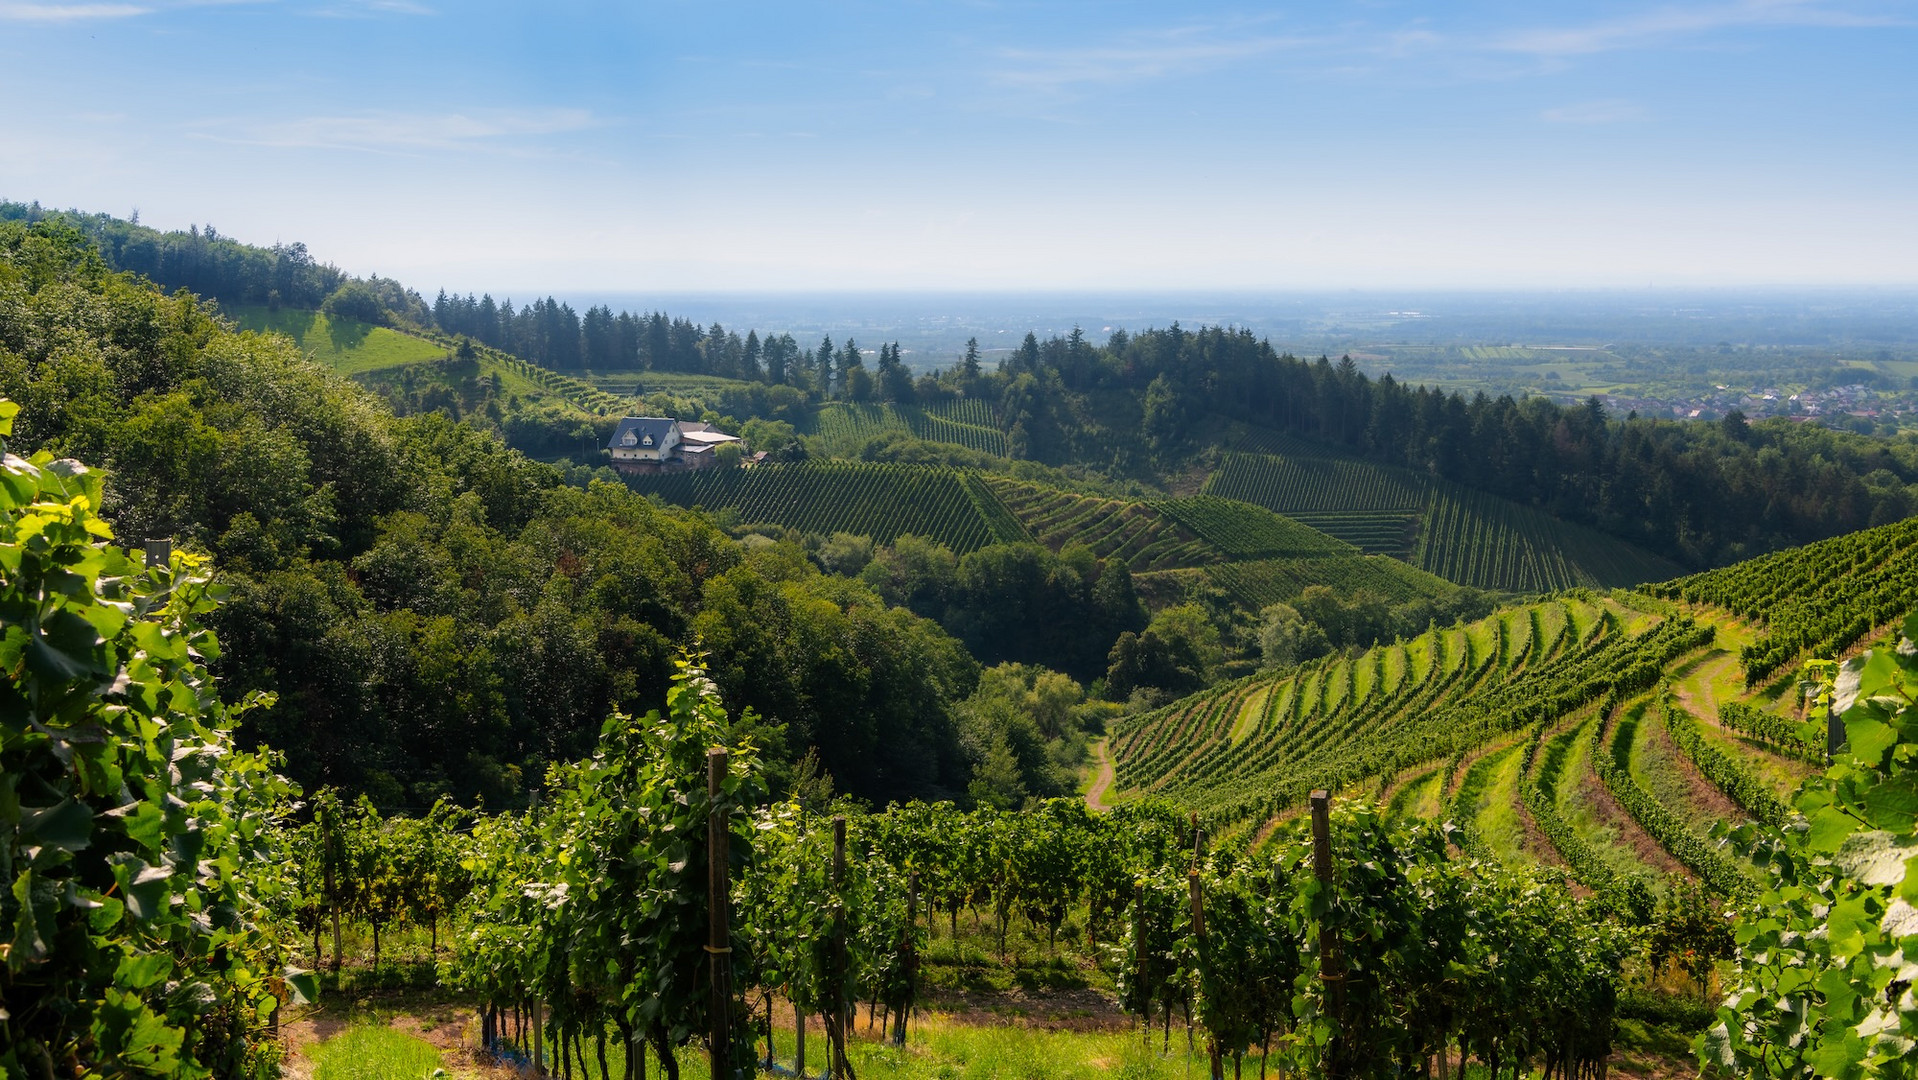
1693, 687
1101, 783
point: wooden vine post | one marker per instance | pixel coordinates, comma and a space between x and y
837, 1023
909, 959
719, 934
1198, 933
329, 858
1331, 957
539, 1010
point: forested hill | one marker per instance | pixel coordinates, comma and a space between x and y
1701, 493
438, 614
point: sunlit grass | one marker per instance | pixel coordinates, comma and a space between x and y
374, 1053
344, 345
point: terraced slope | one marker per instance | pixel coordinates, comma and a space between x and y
1817, 598
953, 506
1442, 693
1253, 555
1256, 583
1455, 532
1134, 532
846, 426
1603, 736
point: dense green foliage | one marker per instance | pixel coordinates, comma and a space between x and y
1696, 493
1014, 602
1826, 968
439, 615
138, 940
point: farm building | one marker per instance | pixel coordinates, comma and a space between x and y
650, 444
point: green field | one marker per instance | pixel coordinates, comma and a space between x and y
344, 345
371, 352
1462, 535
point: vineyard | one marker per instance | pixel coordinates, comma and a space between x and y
954, 507
1818, 598
1255, 557
844, 427
1288, 942
1244, 531
1459, 534
654, 899
1340, 720
1135, 533
1597, 734
1255, 583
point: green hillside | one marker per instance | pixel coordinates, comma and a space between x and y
954, 507
373, 354
1460, 534
1252, 555
1256, 583
345, 345
1604, 734
843, 427
1113, 528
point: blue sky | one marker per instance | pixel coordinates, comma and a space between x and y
768, 146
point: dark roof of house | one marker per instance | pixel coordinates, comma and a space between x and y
647, 432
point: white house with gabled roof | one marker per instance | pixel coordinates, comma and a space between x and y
661, 444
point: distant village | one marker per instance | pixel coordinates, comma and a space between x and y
1855, 400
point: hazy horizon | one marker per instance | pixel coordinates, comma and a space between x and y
931, 325
1068, 144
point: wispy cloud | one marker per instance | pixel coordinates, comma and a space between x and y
1610, 111
1666, 24
1160, 55
405, 132
57, 13
369, 9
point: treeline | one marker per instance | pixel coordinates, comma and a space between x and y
207, 264
550, 332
